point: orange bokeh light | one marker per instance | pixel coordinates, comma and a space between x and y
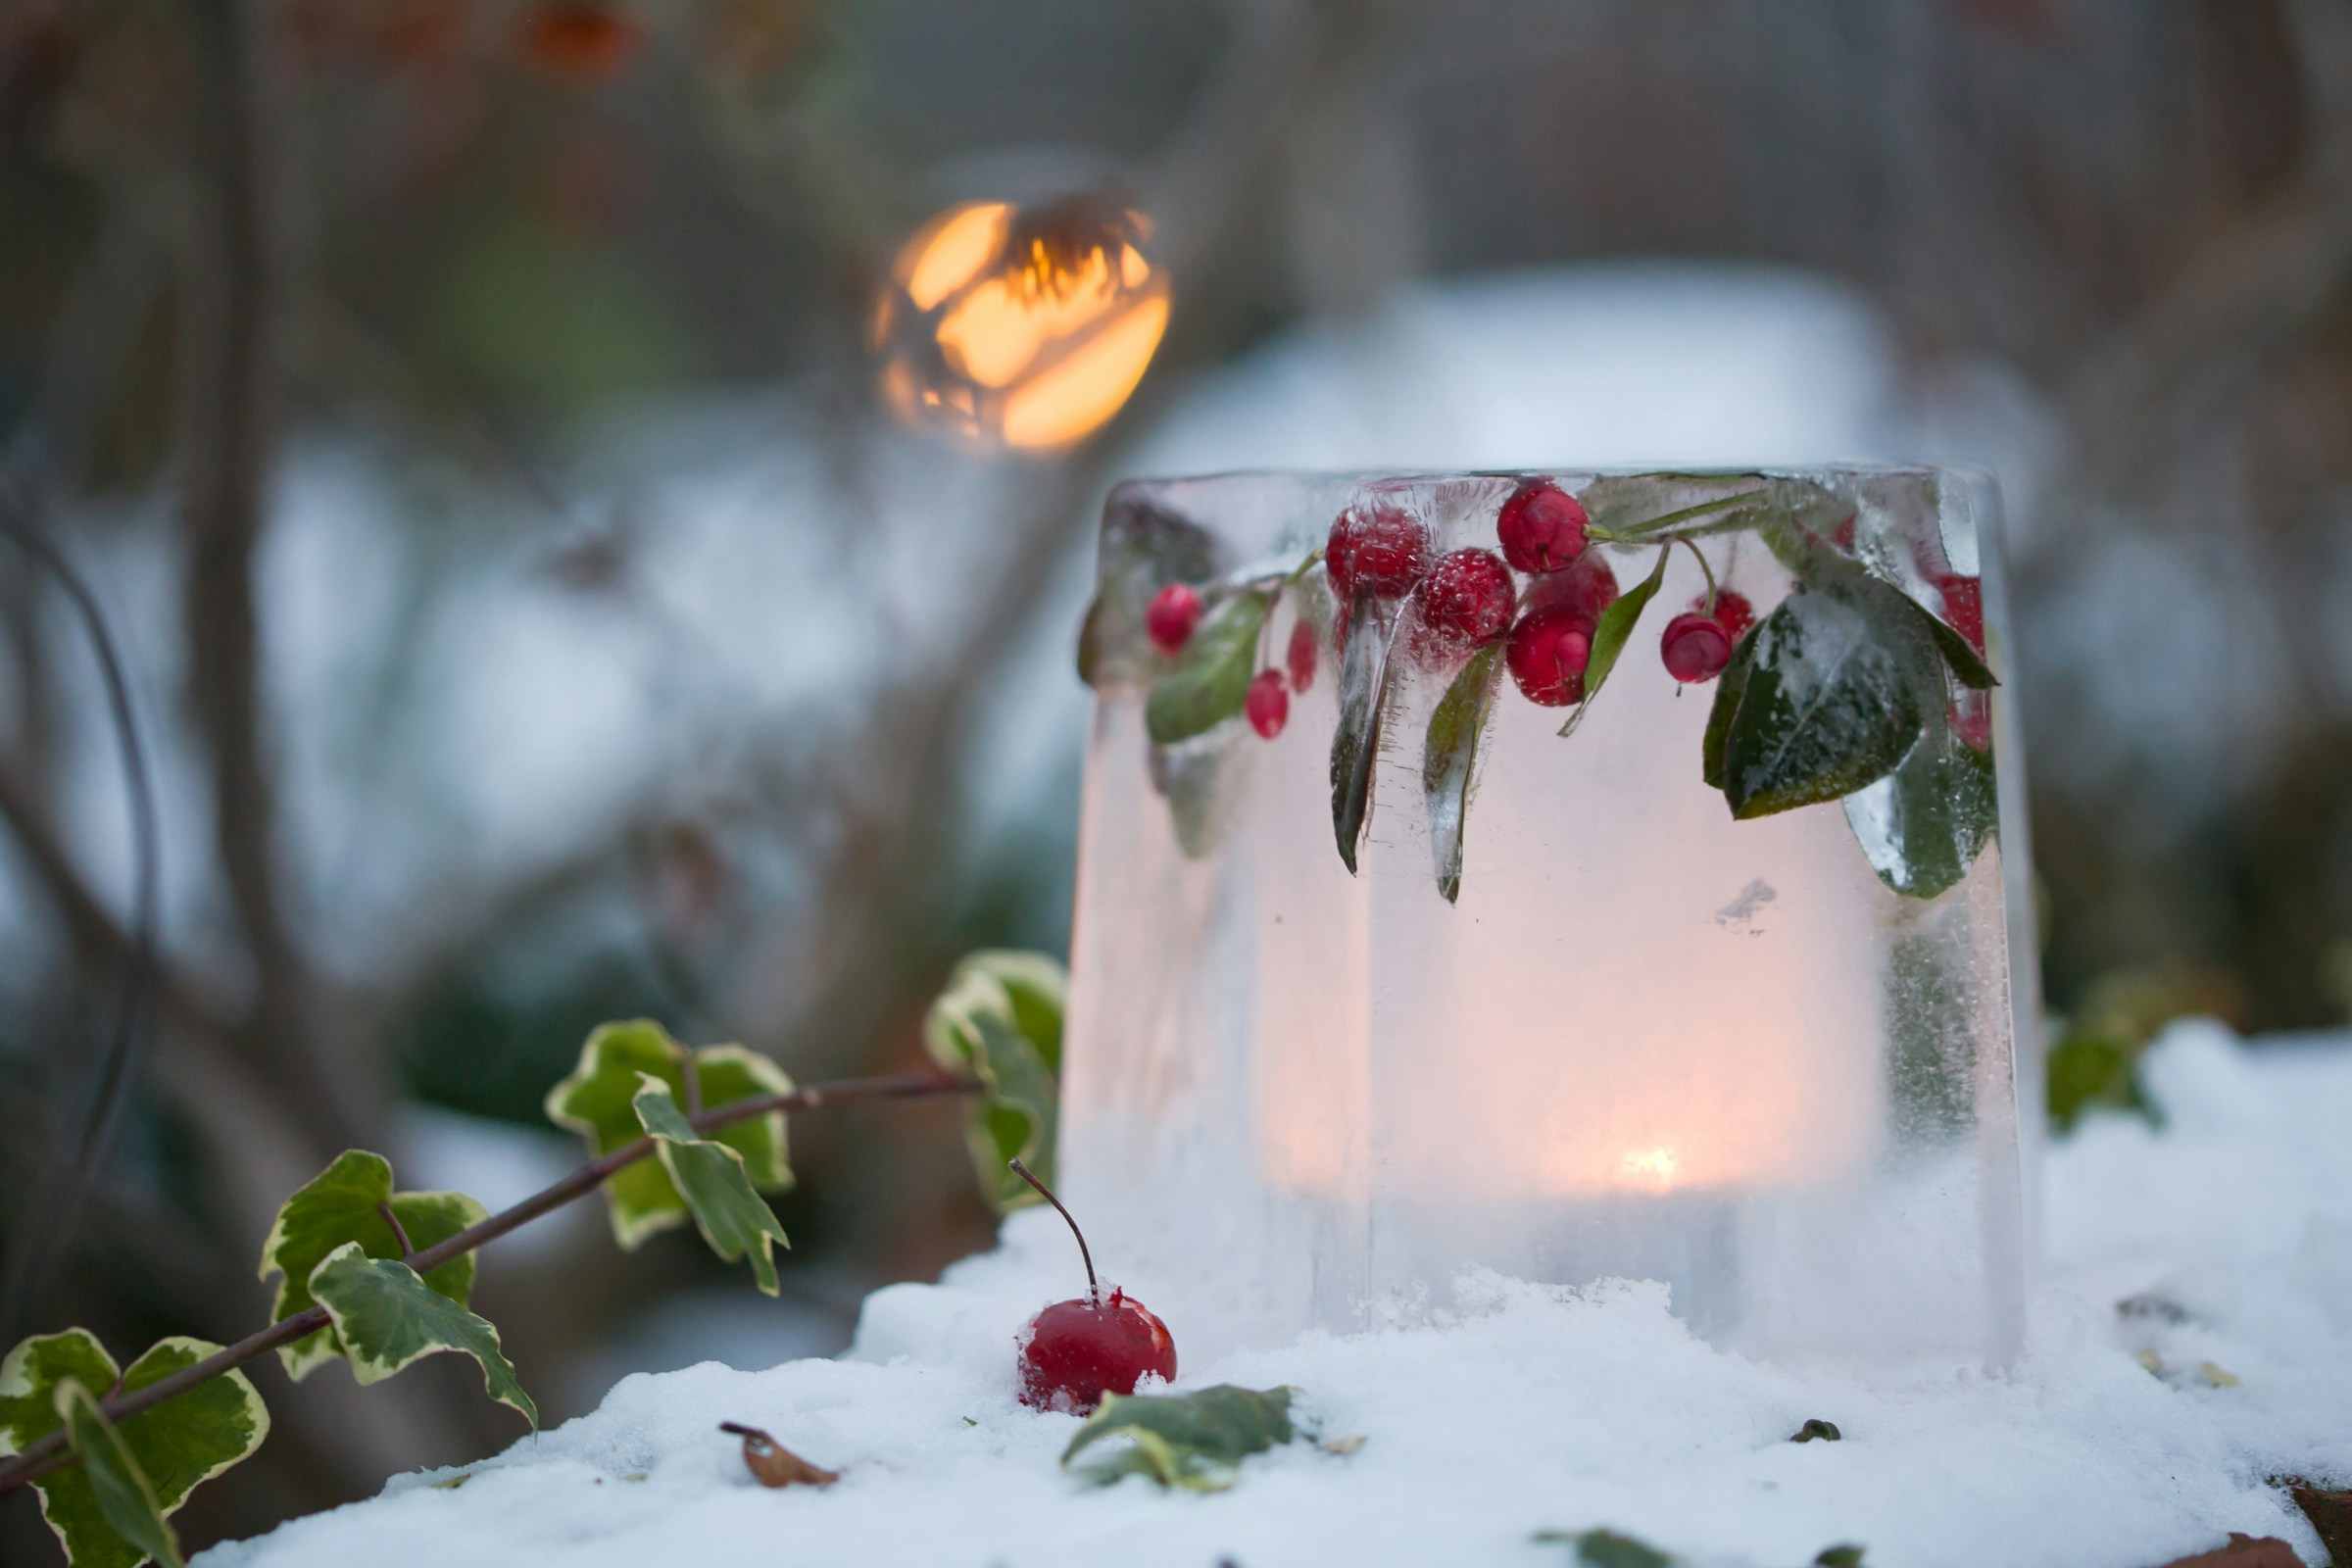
1021, 329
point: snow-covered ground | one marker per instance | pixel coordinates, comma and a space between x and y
2230, 1230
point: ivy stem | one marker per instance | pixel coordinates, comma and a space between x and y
49, 1453
408, 1249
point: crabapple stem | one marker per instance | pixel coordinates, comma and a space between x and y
1094, 1292
1706, 571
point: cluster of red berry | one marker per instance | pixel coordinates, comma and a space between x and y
1177, 608
1467, 599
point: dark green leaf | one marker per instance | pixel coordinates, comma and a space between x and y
1815, 1430
1955, 649
1844, 1556
1000, 1019
125, 1499
598, 1102
1355, 741
1922, 827
345, 1203
1193, 1440
1450, 762
1830, 701
1609, 636
177, 1446
1729, 687
389, 1318
1210, 680
734, 1220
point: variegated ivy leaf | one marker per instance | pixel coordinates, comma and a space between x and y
598, 1102
1193, 1440
389, 1318
734, 1220
175, 1446
125, 1498
1000, 1019
346, 1203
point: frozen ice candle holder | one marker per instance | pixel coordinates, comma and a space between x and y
1567, 874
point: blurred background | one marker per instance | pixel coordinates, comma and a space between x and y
594, 499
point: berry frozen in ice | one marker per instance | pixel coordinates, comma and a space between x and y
1542, 527
1173, 614
1694, 647
1548, 654
1268, 703
1467, 599
1383, 548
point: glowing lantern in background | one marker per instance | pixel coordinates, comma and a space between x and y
1021, 327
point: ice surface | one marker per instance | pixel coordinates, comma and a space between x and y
1647, 1041
1533, 1407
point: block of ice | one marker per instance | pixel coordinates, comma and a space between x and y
1720, 987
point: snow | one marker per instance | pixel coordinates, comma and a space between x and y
1532, 1407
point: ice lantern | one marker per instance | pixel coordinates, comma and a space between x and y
1768, 1058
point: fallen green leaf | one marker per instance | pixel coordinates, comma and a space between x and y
1816, 1427
1840, 1556
389, 1318
345, 1203
1607, 1549
1193, 1441
597, 1101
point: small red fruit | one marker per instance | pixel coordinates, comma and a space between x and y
1467, 598
1733, 612
1695, 648
1173, 614
1548, 654
1585, 588
1075, 1352
1964, 606
1302, 656
1542, 527
1268, 704
1381, 548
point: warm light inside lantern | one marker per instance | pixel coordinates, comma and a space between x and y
1028, 330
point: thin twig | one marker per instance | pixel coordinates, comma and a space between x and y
408, 1249
47, 1454
59, 1200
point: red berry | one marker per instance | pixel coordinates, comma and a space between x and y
1268, 704
1542, 527
1733, 612
1468, 597
1548, 654
1964, 606
1380, 548
1075, 1352
1695, 648
1585, 588
1174, 612
1302, 656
